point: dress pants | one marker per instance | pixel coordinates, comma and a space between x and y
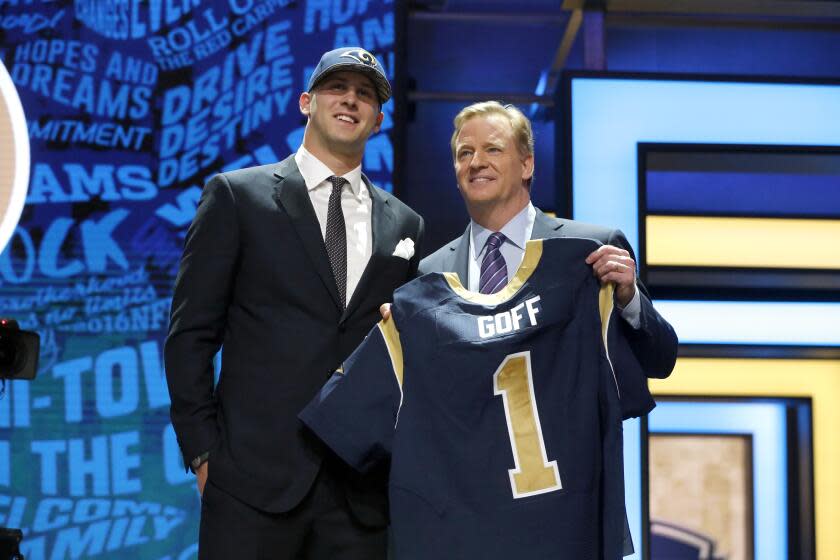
321, 527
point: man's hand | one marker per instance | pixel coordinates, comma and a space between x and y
201, 477
612, 264
385, 311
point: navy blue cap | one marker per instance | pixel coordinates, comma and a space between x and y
352, 59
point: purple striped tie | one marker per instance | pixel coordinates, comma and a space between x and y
493, 266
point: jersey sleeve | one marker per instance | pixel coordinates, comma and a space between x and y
630, 380
355, 413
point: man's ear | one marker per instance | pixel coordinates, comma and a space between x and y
304, 102
378, 122
528, 167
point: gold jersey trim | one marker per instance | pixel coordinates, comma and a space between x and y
392, 342
533, 254
605, 308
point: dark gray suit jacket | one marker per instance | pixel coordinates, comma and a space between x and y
654, 344
255, 279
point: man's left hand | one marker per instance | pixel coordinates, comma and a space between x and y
613, 264
385, 311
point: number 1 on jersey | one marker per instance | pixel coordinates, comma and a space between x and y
532, 473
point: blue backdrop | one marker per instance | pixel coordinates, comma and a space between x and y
131, 105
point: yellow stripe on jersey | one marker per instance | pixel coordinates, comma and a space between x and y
742, 242
533, 254
605, 309
392, 342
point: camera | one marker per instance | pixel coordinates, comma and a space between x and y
18, 351
10, 544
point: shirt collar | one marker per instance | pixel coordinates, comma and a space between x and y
517, 230
315, 172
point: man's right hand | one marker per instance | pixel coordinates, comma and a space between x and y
201, 477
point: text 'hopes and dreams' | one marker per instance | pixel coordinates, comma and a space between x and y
226, 102
64, 72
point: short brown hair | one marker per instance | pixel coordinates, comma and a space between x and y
520, 124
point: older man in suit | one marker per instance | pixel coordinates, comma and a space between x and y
284, 268
493, 149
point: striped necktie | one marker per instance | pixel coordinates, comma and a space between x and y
493, 266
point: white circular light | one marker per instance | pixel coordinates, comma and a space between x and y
14, 157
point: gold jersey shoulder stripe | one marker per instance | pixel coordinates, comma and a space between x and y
605, 309
391, 335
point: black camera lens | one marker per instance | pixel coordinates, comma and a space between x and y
18, 351
7, 351
12, 352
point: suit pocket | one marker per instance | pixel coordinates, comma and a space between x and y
390, 272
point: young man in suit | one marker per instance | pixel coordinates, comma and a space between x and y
493, 150
284, 267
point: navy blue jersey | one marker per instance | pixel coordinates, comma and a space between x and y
500, 413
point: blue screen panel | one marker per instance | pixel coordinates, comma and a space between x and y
742, 194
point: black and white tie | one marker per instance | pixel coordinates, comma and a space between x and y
336, 237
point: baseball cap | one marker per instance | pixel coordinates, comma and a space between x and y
352, 59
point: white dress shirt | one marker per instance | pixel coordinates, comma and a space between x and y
517, 232
356, 205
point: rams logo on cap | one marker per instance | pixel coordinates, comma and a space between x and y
361, 55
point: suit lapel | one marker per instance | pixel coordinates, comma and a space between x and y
290, 193
457, 260
546, 227
384, 238
459, 257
